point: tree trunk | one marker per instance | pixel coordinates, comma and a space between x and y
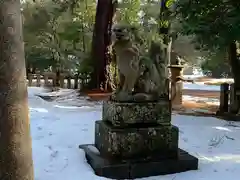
235, 66
107, 38
100, 43
15, 141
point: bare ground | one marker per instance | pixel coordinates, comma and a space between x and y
199, 108
202, 93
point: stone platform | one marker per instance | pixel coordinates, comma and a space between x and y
136, 140
138, 168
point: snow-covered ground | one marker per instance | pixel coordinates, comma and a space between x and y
209, 101
192, 77
219, 81
201, 86
60, 126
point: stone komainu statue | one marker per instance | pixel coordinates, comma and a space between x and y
139, 81
127, 59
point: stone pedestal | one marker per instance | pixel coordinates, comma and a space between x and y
176, 84
38, 78
137, 140
126, 114
62, 77
46, 76
52, 75
69, 84
30, 78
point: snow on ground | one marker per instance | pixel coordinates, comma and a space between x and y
196, 76
192, 77
201, 86
57, 130
219, 81
60, 126
209, 101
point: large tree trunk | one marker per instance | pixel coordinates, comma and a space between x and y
15, 142
100, 43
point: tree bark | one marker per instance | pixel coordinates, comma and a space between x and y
107, 39
15, 141
235, 66
234, 63
100, 43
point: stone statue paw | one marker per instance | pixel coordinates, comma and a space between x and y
143, 97
122, 96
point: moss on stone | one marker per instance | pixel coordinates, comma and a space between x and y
136, 142
123, 114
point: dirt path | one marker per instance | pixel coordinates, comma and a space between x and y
199, 108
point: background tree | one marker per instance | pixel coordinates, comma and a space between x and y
216, 65
215, 27
15, 142
58, 34
100, 42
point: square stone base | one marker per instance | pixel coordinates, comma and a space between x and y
136, 142
122, 114
138, 168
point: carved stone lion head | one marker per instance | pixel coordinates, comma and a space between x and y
121, 32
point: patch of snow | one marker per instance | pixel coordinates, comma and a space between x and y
192, 77
222, 128
93, 149
59, 93
71, 107
57, 132
32, 91
200, 86
221, 80
42, 110
210, 101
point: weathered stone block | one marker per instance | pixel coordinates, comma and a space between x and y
123, 114
137, 142
129, 169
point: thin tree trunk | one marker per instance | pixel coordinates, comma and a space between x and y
58, 71
15, 141
99, 44
235, 66
107, 39
234, 63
